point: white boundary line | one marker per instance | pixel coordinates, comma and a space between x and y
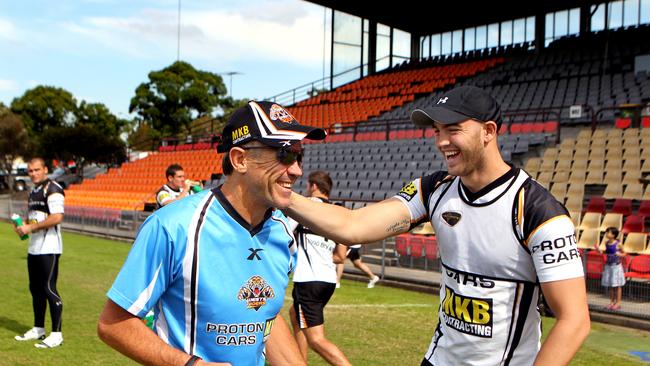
382, 306
387, 306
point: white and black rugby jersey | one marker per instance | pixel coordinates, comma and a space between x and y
45, 199
315, 261
496, 246
166, 194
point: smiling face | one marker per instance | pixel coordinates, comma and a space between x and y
270, 181
462, 146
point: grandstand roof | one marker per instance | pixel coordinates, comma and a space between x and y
441, 16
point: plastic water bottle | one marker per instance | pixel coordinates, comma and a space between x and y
149, 319
196, 188
18, 221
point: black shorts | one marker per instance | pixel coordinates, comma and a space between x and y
309, 300
353, 254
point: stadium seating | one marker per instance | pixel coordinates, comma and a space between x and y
595, 264
634, 223
375, 94
635, 243
622, 206
133, 184
639, 267
402, 245
588, 239
416, 243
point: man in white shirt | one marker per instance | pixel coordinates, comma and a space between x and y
314, 280
45, 215
501, 238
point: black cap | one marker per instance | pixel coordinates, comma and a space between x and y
458, 105
268, 123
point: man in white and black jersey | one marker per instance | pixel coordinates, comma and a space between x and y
501, 238
45, 214
314, 280
177, 186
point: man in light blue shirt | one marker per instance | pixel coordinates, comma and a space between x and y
215, 266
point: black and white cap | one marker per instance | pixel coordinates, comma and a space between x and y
458, 105
268, 123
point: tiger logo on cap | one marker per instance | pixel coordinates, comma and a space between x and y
280, 113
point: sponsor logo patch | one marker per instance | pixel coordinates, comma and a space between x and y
254, 254
451, 217
408, 192
238, 334
469, 315
280, 113
240, 134
255, 292
267, 328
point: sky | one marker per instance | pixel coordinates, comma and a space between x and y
101, 50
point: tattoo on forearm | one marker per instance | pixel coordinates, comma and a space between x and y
398, 226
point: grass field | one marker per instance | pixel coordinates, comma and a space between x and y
382, 326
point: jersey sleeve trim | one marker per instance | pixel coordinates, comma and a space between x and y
539, 207
542, 225
428, 185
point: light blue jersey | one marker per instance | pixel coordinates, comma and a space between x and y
215, 283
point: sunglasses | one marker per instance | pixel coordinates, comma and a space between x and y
283, 156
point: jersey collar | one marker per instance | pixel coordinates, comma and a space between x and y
236, 216
489, 193
175, 190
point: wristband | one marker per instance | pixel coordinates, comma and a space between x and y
193, 360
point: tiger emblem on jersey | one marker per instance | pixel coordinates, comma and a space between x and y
256, 291
280, 113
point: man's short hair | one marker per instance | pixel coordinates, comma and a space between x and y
32, 161
322, 180
172, 169
226, 165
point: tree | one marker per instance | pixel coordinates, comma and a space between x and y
45, 106
96, 115
82, 143
14, 140
143, 138
64, 130
177, 95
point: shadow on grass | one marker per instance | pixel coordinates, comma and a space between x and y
13, 325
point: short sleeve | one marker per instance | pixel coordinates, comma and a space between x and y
55, 203
55, 198
554, 250
147, 271
163, 197
411, 196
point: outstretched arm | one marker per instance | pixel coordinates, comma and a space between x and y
568, 300
371, 223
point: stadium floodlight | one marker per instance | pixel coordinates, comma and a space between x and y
230, 74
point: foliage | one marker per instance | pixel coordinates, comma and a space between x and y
82, 143
214, 125
45, 106
143, 137
96, 115
64, 130
14, 140
176, 95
